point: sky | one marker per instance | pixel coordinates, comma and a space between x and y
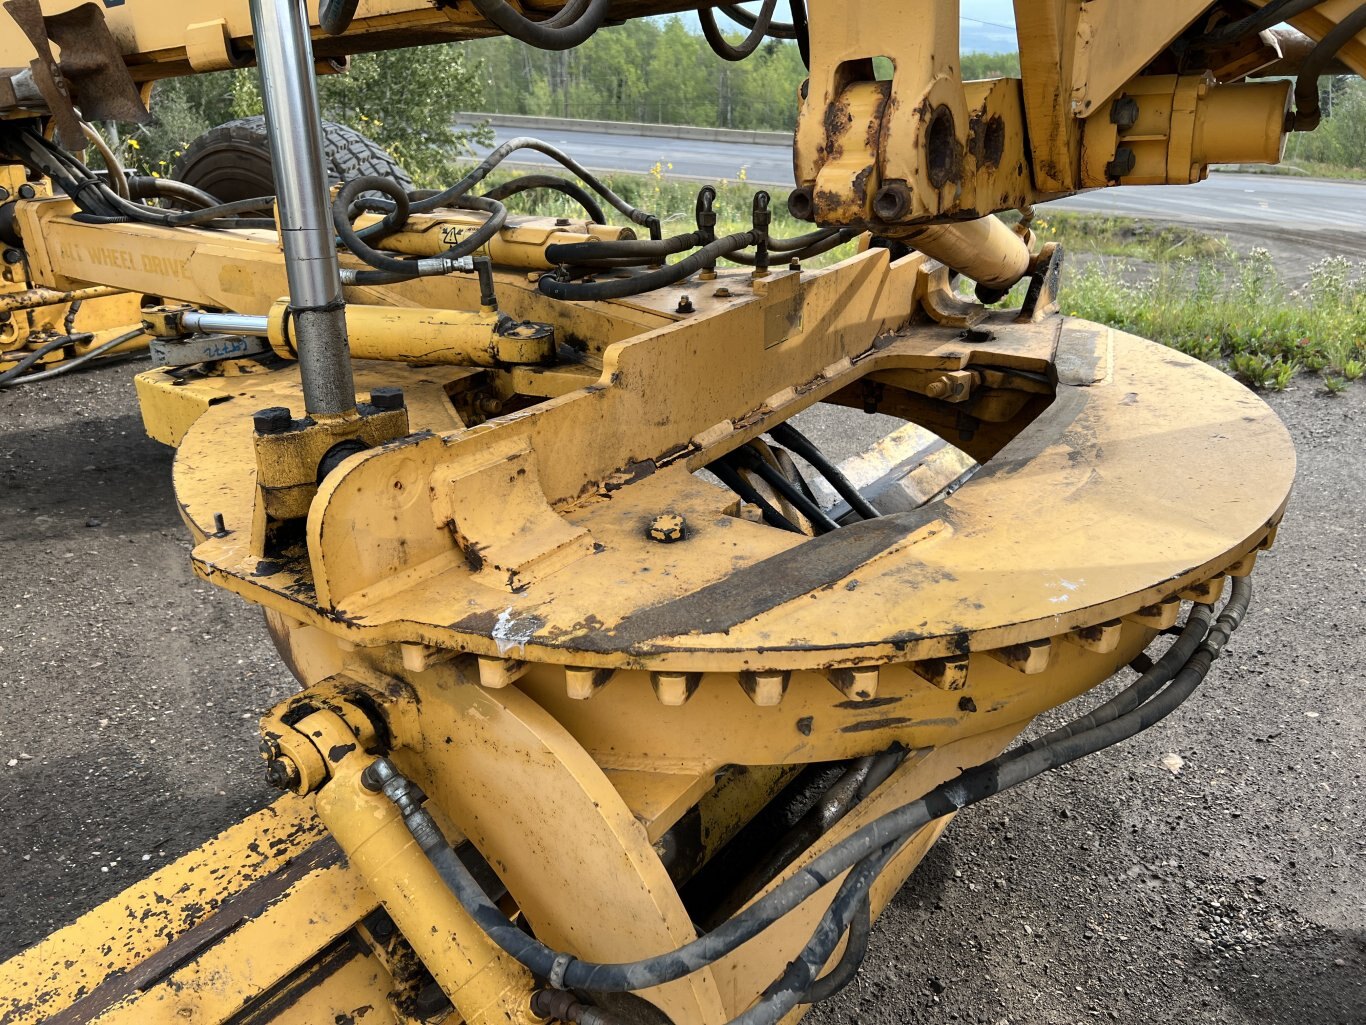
988, 26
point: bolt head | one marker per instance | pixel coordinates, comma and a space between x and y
281, 773
892, 202
13, 255
668, 528
387, 397
561, 222
685, 305
27, 191
272, 420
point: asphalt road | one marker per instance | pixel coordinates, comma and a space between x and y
1246, 200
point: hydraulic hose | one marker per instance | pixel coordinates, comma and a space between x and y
1270, 14
864, 851
118, 177
1308, 114
620, 288
622, 253
751, 460
822, 242
31, 358
722, 47
68, 365
574, 23
731, 478
776, 29
791, 438
573, 190
424, 266
501, 153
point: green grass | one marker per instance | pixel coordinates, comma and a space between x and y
1127, 237
1239, 312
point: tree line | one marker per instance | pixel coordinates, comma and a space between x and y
656, 71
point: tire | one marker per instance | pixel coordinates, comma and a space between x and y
232, 161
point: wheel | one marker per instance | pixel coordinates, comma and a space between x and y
232, 161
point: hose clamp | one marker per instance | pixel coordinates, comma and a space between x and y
557, 970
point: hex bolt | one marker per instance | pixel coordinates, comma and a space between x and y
1124, 163
722, 293
1124, 113
282, 773
387, 397
561, 222
892, 202
272, 420
667, 528
684, 305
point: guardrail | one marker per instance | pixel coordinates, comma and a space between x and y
550, 124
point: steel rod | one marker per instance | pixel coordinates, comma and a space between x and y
225, 323
293, 124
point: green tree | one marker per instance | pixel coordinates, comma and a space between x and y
402, 99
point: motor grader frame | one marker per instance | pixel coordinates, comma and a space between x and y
554, 675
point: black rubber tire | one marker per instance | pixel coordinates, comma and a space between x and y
232, 161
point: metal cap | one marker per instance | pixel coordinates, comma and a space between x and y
272, 420
387, 397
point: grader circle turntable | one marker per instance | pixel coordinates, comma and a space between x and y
620, 701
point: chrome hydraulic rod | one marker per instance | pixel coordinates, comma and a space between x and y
225, 323
294, 127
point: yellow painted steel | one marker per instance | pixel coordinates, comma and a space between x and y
418, 335
598, 664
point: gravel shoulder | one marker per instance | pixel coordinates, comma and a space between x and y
1230, 892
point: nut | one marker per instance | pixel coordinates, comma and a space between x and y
386, 397
668, 528
272, 420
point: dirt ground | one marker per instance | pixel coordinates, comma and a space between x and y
1231, 892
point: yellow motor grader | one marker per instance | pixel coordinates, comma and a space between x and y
621, 701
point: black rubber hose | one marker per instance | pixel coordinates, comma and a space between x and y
567, 29
31, 358
420, 266
860, 930
636, 284
1270, 14
718, 42
143, 186
832, 239
1308, 114
335, 15
876, 840
624, 252
800, 976
67, 366
433, 200
791, 438
776, 479
732, 479
1149, 682
803, 31
776, 29
573, 190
